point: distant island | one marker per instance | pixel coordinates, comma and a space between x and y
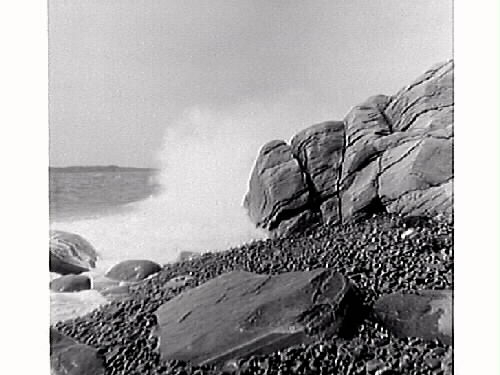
100, 168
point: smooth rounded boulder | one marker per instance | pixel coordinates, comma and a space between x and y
70, 253
427, 314
70, 283
133, 270
69, 357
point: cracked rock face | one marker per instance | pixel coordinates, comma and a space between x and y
427, 314
278, 188
426, 103
423, 164
389, 154
242, 313
319, 150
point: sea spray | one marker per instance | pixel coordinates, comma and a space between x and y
206, 159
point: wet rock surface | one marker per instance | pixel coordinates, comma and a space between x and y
389, 154
69, 357
132, 270
70, 253
373, 253
426, 314
70, 283
242, 313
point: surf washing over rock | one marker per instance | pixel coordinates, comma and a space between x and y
205, 161
334, 297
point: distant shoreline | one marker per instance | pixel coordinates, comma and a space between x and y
100, 168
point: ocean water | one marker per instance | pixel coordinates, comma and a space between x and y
76, 195
138, 215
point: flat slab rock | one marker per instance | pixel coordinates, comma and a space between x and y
242, 313
427, 314
69, 357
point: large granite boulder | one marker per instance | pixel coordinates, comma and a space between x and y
427, 314
70, 253
70, 283
365, 124
242, 313
69, 357
425, 103
278, 187
389, 154
319, 150
132, 270
408, 171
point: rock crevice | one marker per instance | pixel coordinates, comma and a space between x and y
390, 154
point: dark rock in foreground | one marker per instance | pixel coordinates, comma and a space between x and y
242, 313
68, 357
70, 253
373, 253
133, 270
427, 314
70, 283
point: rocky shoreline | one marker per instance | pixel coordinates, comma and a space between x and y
356, 278
389, 154
381, 255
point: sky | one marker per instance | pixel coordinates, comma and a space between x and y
124, 73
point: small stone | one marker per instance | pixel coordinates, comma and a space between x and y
385, 371
407, 233
433, 362
373, 365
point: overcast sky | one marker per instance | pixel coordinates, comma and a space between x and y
123, 71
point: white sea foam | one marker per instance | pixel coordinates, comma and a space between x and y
206, 160
65, 306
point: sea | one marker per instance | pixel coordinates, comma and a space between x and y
133, 213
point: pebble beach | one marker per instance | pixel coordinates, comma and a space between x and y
381, 254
